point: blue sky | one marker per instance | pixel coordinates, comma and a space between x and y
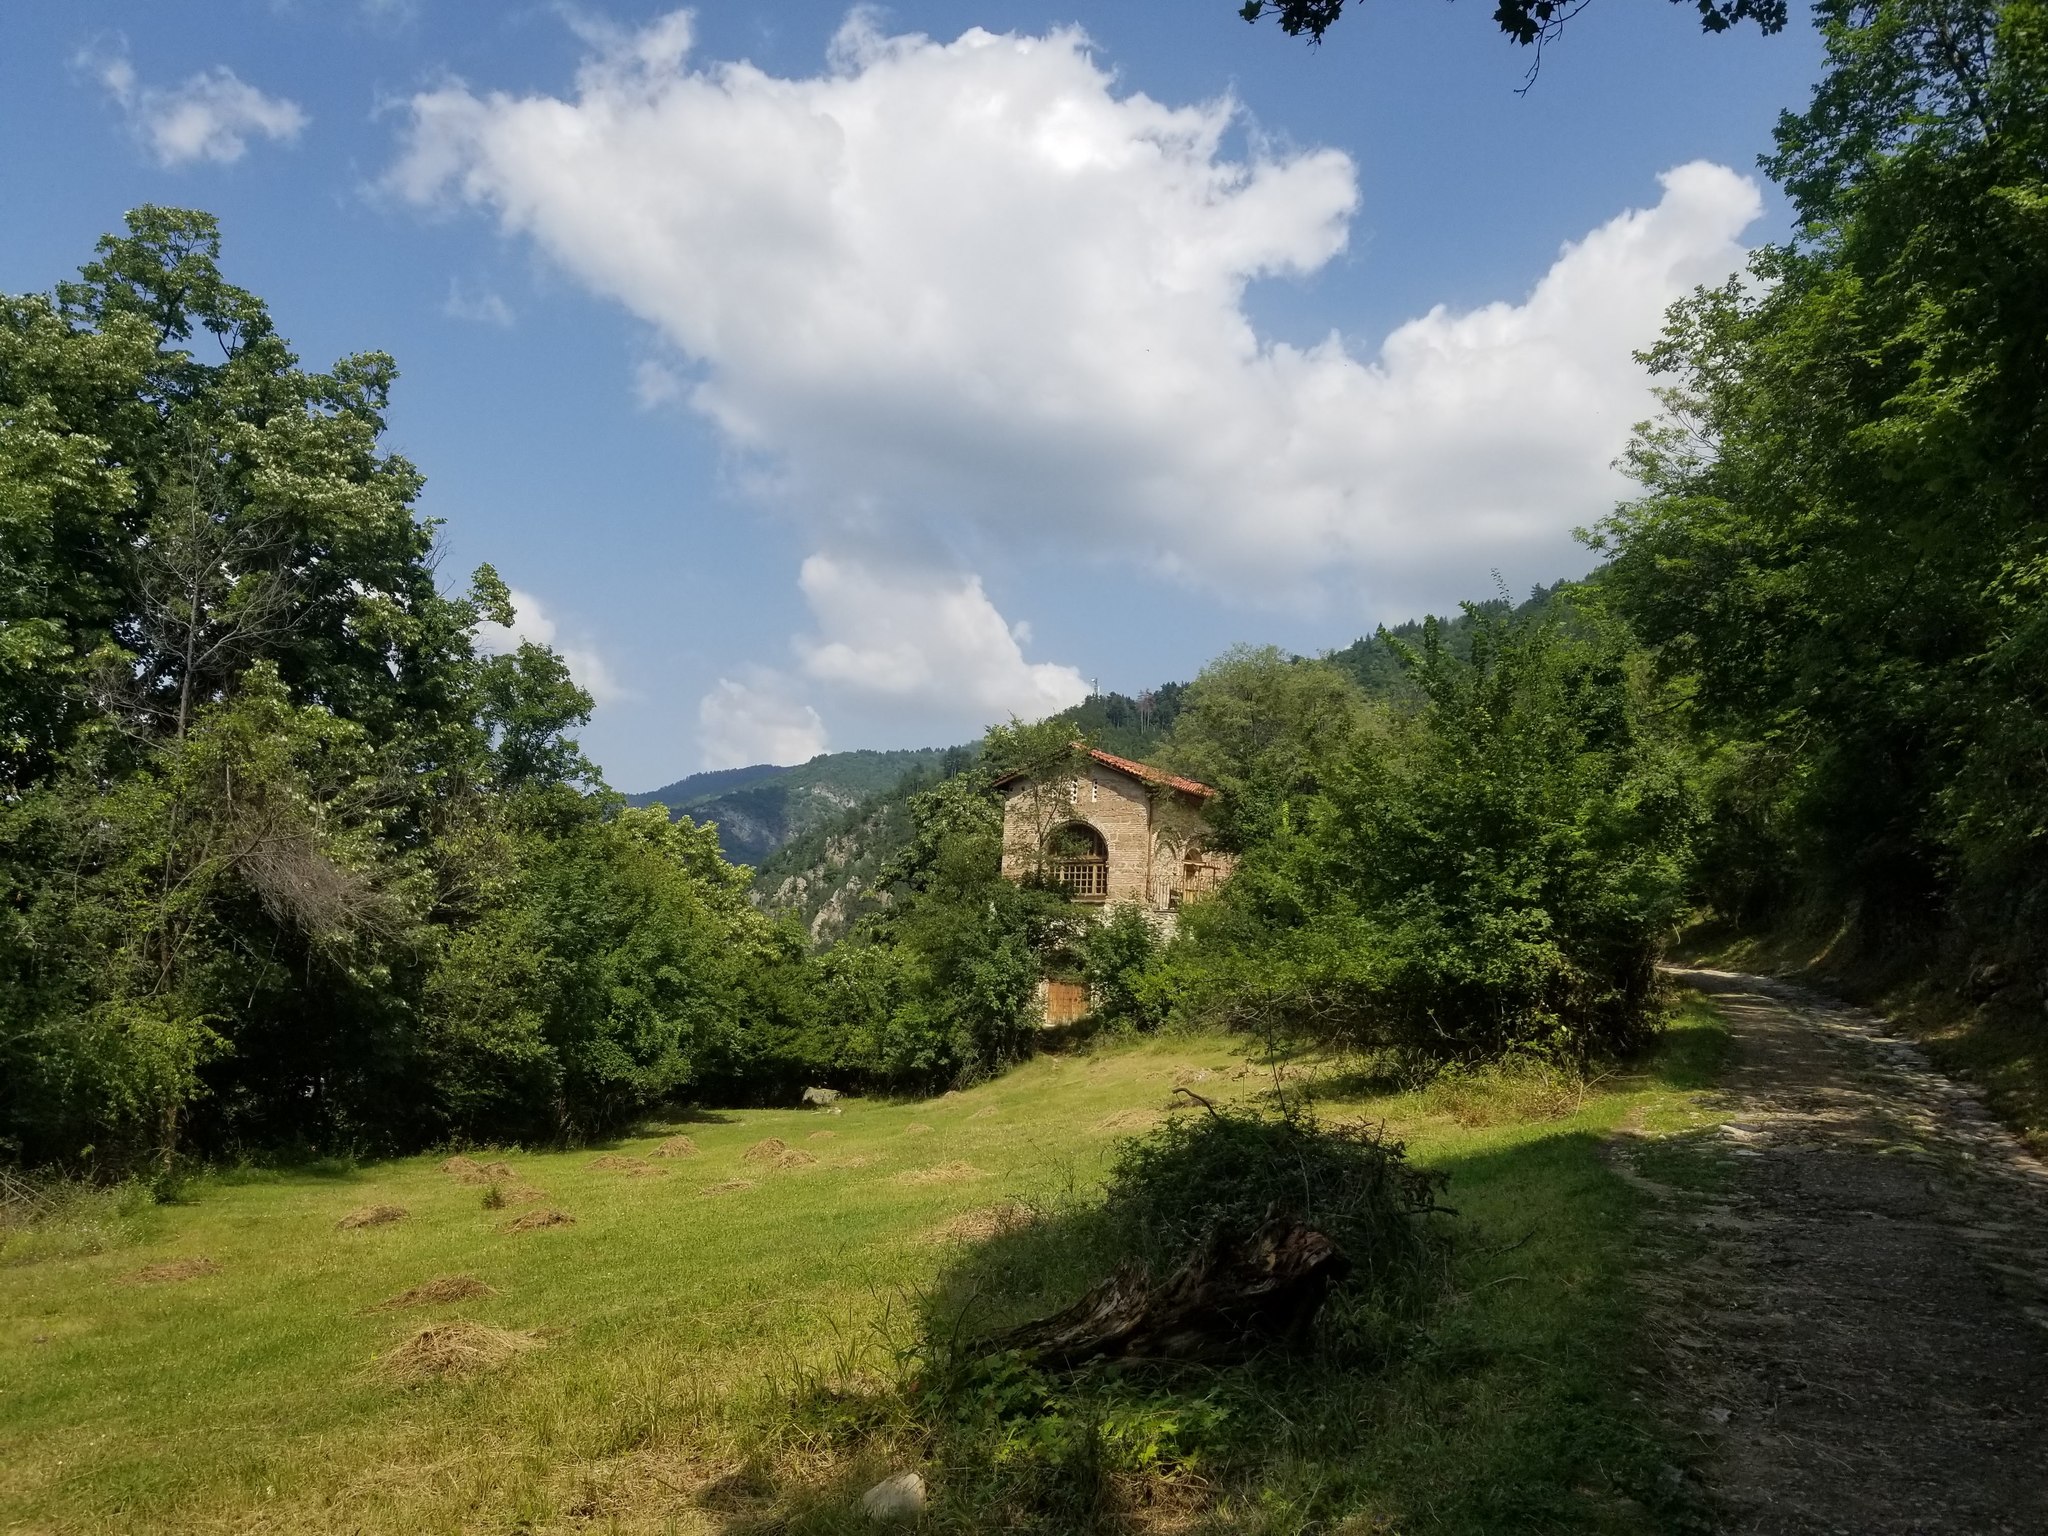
906, 377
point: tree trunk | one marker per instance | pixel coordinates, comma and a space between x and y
1231, 1299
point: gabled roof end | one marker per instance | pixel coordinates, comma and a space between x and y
1143, 772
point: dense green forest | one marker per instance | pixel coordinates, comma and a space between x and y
286, 861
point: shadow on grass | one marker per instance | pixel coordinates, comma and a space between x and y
1500, 1402
697, 1114
287, 1166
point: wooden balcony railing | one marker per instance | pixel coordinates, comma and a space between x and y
1085, 879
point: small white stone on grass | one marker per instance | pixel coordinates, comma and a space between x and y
895, 1498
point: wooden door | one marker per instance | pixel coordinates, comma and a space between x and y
1065, 1001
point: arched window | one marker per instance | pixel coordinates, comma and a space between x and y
1200, 873
1077, 858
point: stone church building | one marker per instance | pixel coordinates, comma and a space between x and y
1113, 832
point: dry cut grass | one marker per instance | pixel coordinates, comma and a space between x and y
980, 1226
535, 1221
435, 1293
943, 1173
467, 1170
176, 1270
455, 1348
371, 1216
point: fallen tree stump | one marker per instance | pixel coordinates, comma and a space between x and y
1232, 1298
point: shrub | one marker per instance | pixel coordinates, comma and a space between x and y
1116, 955
1229, 1169
1019, 1447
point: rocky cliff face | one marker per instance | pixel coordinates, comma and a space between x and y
831, 881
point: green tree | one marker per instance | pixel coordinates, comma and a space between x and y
1528, 22
283, 859
1840, 552
1496, 869
1265, 729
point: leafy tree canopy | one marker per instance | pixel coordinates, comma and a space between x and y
1528, 22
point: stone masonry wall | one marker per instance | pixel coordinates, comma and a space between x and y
1145, 828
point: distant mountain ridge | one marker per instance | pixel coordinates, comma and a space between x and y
759, 808
700, 786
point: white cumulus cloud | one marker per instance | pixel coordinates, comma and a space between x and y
929, 639
532, 622
757, 719
968, 293
210, 116
923, 648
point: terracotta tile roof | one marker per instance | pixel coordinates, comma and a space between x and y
1139, 771
1150, 775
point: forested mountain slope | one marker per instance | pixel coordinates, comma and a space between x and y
758, 809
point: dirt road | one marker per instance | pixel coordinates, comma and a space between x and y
1853, 1301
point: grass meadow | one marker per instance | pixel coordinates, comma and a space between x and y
655, 1364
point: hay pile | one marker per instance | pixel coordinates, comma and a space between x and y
943, 1173
765, 1151
372, 1216
455, 1348
633, 1168
794, 1158
729, 1187
434, 1293
466, 1170
534, 1221
676, 1146
979, 1226
822, 1136
175, 1270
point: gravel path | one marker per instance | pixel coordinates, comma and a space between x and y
1855, 1320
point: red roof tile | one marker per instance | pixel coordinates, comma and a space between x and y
1141, 771
1150, 775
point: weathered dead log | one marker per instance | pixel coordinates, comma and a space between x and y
1232, 1298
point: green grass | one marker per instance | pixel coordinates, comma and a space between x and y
681, 1328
